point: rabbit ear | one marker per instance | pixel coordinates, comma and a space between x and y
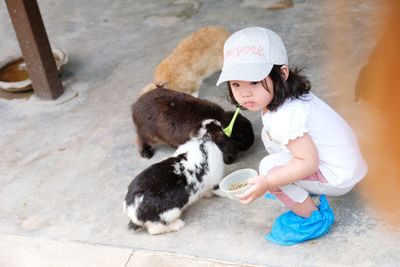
227, 147
194, 132
223, 142
162, 84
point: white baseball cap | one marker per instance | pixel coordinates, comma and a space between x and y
250, 54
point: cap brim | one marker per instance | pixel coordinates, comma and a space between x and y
245, 72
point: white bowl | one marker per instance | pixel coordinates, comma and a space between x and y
230, 181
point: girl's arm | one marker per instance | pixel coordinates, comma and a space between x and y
305, 162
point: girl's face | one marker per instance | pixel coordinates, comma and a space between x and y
252, 95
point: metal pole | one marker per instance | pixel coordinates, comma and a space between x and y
35, 47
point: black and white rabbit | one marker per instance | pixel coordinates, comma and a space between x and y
157, 196
167, 116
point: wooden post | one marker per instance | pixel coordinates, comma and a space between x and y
35, 48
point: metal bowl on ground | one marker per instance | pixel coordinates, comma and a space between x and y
14, 74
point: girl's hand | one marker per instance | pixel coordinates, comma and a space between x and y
259, 188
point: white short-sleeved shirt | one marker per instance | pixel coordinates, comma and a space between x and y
340, 158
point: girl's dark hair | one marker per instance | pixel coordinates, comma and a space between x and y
294, 87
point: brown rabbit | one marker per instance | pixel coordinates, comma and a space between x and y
194, 58
167, 116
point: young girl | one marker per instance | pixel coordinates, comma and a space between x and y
311, 148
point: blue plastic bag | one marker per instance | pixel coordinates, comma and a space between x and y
290, 229
269, 196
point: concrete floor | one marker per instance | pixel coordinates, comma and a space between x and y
65, 164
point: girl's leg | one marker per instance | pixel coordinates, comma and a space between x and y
305, 221
292, 196
308, 206
304, 209
296, 196
296, 199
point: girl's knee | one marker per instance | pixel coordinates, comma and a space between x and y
273, 160
282, 197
